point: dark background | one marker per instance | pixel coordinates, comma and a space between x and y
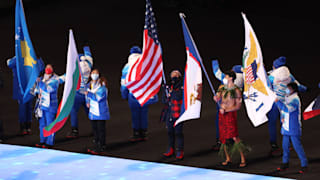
283, 28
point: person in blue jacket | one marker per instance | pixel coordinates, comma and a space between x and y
279, 77
86, 63
47, 91
220, 76
97, 102
291, 127
139, 115
25, 109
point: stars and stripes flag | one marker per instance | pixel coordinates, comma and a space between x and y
144, 77
313, 109
258, 97
192, 84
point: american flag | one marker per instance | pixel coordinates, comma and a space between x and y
145, 76
251, 74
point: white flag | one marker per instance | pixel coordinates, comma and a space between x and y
258, 97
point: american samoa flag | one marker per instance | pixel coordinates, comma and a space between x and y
145, 76
192, 85
313, 109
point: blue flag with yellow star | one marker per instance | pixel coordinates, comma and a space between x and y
27, 64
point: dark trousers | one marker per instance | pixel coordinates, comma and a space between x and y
139, 117
175, 133
25, 112
99, 131
80, 100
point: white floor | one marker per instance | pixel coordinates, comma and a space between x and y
20, 162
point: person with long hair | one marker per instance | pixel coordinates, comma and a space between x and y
97, 102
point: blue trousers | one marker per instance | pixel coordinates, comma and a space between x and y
45, 120
25, 112
139, 117
80, 100
175, 132
296, 142
217, 123
273, 116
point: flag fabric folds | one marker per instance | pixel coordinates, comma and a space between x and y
313, 109
258, 97
144, 77
72, 84
27, 64
192, 85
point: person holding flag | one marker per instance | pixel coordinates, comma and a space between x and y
48, 94
172, 98
25, 67
220, 76
279, 77
229, 97
139, 114
97, 102
86, 63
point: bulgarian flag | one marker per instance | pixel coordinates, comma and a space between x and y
72, 84
313, 109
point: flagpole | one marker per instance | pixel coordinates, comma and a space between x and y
182, 16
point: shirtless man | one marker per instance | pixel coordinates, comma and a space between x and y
229, 97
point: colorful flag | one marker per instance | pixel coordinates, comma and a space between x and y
313, 109
27, 64
145, 76
192, 84
72, 84
258, 97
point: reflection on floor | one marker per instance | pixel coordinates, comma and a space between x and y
20, 162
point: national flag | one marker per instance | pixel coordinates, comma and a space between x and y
258, 97
313, 109
145, 76
72, 84
27, 64
192, 85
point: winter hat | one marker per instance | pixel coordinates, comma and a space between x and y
281, 61
135, 49
237, 68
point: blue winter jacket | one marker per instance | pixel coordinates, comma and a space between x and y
49, 89
291, 115
97, 99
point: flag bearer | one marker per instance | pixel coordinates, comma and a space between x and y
139, 115
279, 78
173, 102
25, 109
220, 76
48, 94
86, 63
229, 97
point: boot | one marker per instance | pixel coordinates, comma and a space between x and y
23, 129
169, 152
136, 136
74, 133
28, 127
283, 167
180, 155
143, 134
275, 150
